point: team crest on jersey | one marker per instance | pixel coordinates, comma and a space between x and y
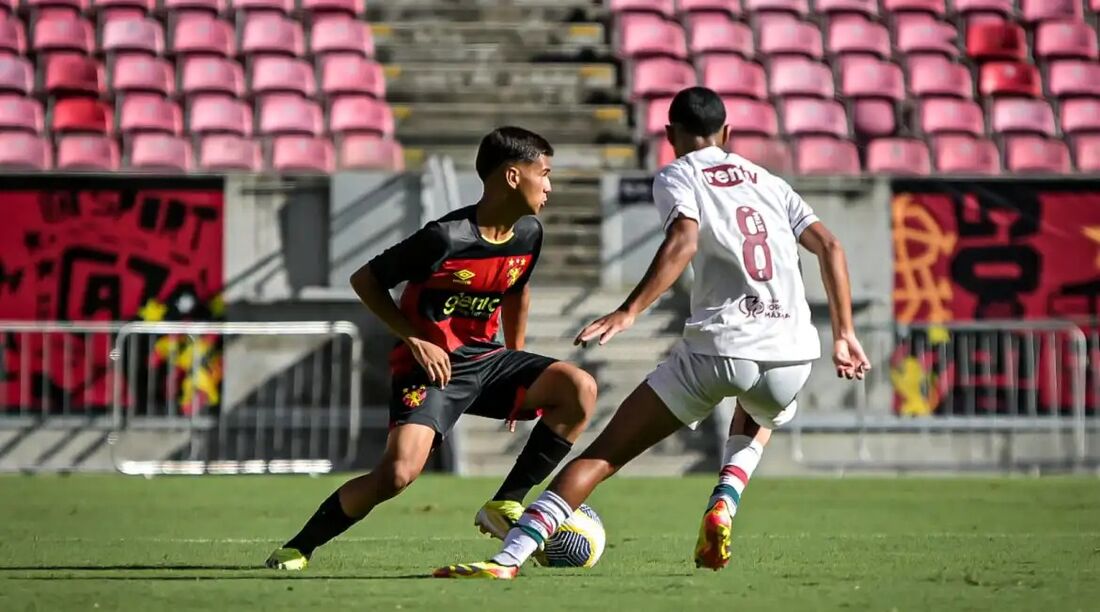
515, 269
464, 277
414, 396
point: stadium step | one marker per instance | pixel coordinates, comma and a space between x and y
441, 32
497, 52
429, 122
512, 83
543, 10
566, 155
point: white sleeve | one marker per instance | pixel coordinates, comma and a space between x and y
674, 197
799, 212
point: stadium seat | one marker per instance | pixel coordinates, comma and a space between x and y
898, 156
1081, 115
661, 76
302, 154
290, 114
208, 8
16, 74
800, 76
871, 117
360, 114
730, 75
341, 34
87, 152
23, 151
946, 115
20, 113
659, 153
223, 152
1065, 40
133, 35
210, 113
867, 8
68, 73
729, 7
996, 41
283, 74
212, 75
856, 34
285, 7
867, 77
12, 39
664, 8
273, 34
1046, 10
142, 73
773, 154
1015, 115
108, 8
354, 8
822, 155
791, 38
343, 73
149, 113
370, 152
656, 116
712, 33
1011, 79
751, 117
648, 35
931, 7
969, 8
160, 152
920, 33
1086, 151
937, 76
1036, 154
203, 34
795, 7
69, 7
957, 154
67, 33
802, 116
1069, 78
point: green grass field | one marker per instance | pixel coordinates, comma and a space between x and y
112, 543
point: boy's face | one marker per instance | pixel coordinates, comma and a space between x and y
530, 181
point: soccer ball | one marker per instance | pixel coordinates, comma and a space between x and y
579, 542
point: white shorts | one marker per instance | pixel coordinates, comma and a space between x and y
691, 385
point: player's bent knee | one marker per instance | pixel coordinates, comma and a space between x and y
397, 476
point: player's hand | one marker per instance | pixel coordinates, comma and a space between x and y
849, 358
605, 328
435, 361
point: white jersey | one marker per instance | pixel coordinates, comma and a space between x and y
748, 300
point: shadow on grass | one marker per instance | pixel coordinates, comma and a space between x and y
99, 572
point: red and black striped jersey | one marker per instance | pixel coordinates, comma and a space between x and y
456, 281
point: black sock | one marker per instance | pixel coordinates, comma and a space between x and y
328, 522
542, 453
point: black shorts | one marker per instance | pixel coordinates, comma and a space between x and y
493, 386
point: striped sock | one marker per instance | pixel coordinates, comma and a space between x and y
741, 456
539, 521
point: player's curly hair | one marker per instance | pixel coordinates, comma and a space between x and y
509, 144
698, 111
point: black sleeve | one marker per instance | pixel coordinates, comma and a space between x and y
535, 249
412, 259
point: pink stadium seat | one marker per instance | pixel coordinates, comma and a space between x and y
370, 152
142, 73
133, 35
57, 7
211, 113
711, 33
958, 154
946, 115
857, 34
278, 6
283, 74
73, 73
751, 117
121, 13
664, 8
863, 7
1036, 154
16, 74
227, 152
797, 7
660, 153
339, 33
1086, 150
211, 74
349, 7
20, 113
730, 75
107, 8
661, 76
209, 7
22, 151
996, 7
1081, 115
1046, 10
344, 73
656, 116
87, 152
822, 155
160, 152
808, 116
937, 76
871, 117
271, 33
1065, 39
649, 35
729, 7
12, 39
203, 34
771, 153
933, 7
1010, 79
866, 77
898, 156
791, 37
68, 33
1074, 78
302, 154
800, 76
996, 41
290, 114
360, 114
149, 113
920, 33
1014, 115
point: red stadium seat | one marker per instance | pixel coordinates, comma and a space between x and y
729, 7
1069, 78
160, 152
796, 7
1086, 150
16, 74
20, 113
803, 116
1015, 115
271, 33
945, 116
203, 34
800, 76
751, 117
711, 33
142, 73
936, 76
1046, 10
906, 156
822, 155
866, 77
226, 152
730, 75
996, 41
772, 154
132, 35
661, 76
360, 114
649, 35
663, 8
872, 117
22, 151
863, 7
68, 33
1036, 154
212, 75
920, 33
12, 39
370, 152
792, 38
856, 34
71, 73
1081, 115
149, 113
219, 114
992, 7
344, 73
290, 114
87, 152
958, 154
341, 34
1010, 79
349, 7
302, 154
1065, 39
283, 74
277, 6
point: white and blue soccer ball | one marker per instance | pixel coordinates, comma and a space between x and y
579, 542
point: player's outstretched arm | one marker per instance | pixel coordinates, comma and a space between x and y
848, 356
679, 246
513, 316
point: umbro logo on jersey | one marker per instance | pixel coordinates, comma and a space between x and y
463, 277
728, 175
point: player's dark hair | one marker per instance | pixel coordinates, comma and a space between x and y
506, 145
698, 111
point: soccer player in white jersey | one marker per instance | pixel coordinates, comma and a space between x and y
749, 335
